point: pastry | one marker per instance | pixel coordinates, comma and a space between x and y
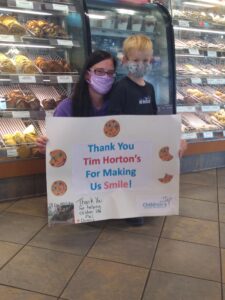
52, 66
6, 65
49, 103
12, 25
18, 137
25, 65
42, 28
34, 104
22, 104
23, 151
112, 128
58, 158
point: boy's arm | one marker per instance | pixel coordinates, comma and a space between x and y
116, 100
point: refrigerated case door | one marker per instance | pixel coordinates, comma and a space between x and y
113, 21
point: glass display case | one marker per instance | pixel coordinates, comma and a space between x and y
200, 64
200, 68
112, 21
43, 45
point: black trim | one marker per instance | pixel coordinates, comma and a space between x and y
171, 55
86, 29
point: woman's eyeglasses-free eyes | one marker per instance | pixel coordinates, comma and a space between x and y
102, 72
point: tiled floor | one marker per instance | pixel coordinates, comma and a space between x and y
173, 258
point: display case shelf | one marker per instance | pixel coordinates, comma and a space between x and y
39, 78
35, 7
205, 135
34, 42
198, 26
118, 33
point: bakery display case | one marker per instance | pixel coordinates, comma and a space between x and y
200, 73
111, 22
43, 45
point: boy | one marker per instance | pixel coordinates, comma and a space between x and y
132, 95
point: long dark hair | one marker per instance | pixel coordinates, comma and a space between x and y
81, 100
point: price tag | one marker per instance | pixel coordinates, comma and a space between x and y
49, 113
24, 4
2, 105
60, 7
189, 136
196, 80
208, 134
20, 114
207, 108
193, 51
27, 79
12, 153
183, 23
212, 53
64, 79
64, 43
7, 38
186, 109
216, 80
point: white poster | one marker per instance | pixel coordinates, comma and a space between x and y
112, 167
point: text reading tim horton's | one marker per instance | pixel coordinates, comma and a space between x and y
117, 163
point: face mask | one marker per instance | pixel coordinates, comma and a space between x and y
138, 70
101, 84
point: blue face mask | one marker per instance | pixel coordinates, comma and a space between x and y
138, 69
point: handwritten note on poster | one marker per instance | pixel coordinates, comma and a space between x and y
123, 167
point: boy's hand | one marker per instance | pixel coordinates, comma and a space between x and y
41, 144
183, 147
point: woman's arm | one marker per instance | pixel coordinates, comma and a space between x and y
183, 147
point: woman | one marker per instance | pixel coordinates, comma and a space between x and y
90, 97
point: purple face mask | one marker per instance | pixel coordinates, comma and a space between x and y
101, 84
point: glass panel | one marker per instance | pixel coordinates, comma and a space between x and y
110, 25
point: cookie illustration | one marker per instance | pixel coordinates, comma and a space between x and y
111, 128
164, 154
59, 188
58, 158
167, 178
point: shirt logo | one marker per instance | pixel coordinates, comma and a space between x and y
145, 100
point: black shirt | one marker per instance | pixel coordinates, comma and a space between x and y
129, 98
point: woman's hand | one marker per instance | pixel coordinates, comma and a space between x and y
41, 144
183, 147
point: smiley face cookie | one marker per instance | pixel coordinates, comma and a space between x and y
112, 128
58, 158
59, 188
164, 154
166, 179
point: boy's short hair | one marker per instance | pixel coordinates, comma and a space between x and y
138, 42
